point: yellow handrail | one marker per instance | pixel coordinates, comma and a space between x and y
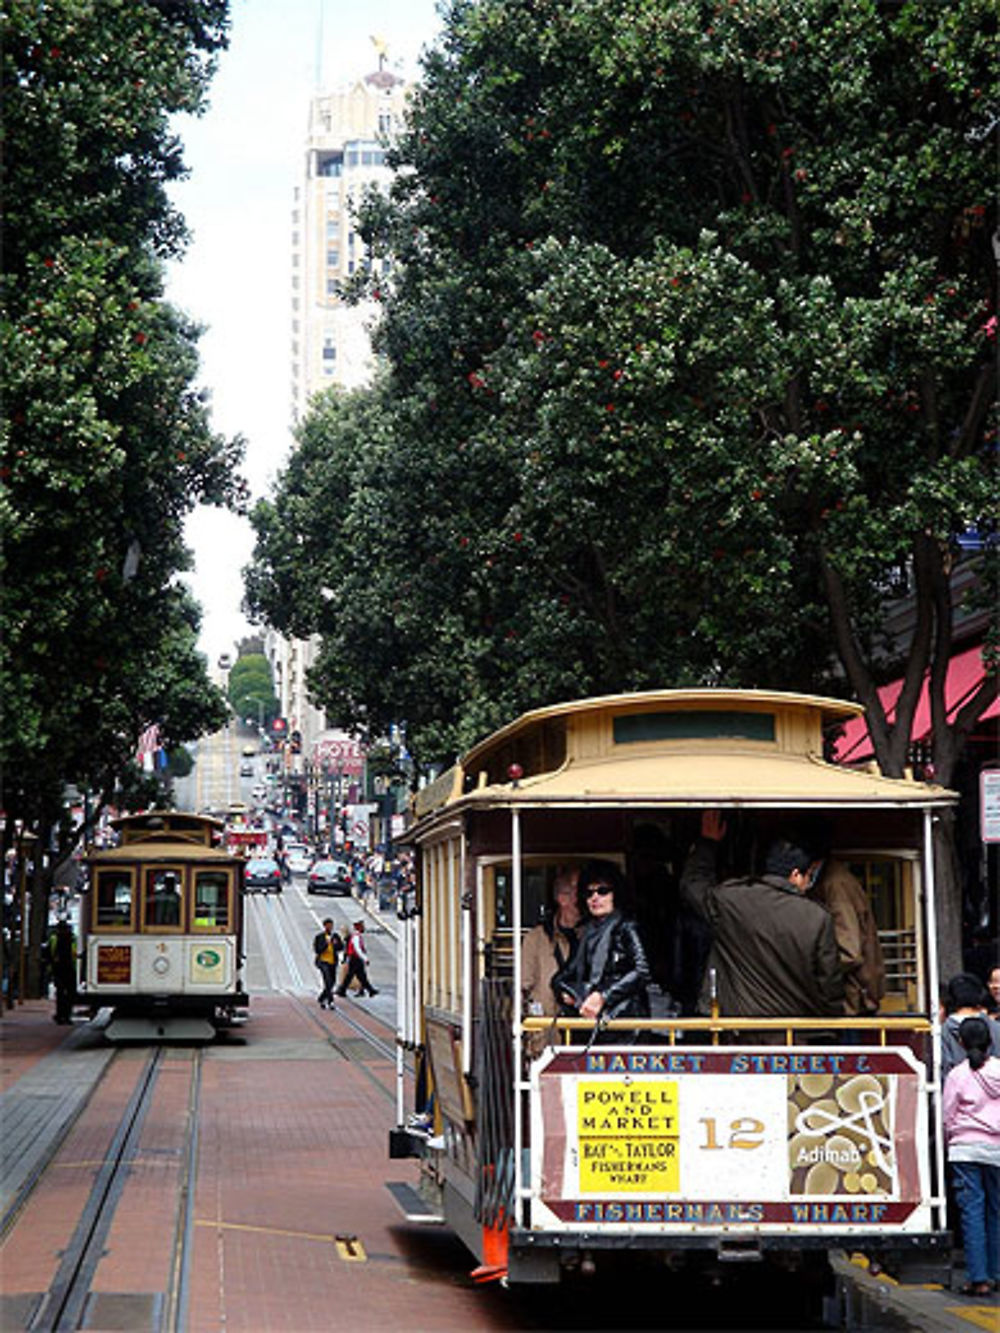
715, 1026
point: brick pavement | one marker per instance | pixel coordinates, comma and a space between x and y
27, 1035
293, 1229
292, 1155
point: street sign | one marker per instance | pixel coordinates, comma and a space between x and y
989, 804
340, 756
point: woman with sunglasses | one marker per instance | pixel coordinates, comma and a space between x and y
609, 974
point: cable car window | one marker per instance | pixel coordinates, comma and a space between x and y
113, 900
163, 899
533, 888
211, 900
695, 725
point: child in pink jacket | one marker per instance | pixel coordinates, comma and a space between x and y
972, 1132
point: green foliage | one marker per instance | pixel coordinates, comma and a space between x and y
251, 689
106, 442
687, 354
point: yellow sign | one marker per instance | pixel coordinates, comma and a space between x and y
628, 1136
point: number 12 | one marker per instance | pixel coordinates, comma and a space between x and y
740, 1132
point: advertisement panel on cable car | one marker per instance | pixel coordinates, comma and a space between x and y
755, 1138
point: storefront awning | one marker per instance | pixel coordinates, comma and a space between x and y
965, 675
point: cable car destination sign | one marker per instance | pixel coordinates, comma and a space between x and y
761, 1139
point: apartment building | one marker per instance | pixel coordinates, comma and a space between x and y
345, 149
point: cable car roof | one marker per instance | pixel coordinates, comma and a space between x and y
165, 850
698, 747
686, 778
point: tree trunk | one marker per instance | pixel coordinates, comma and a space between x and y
948, 895
38, 917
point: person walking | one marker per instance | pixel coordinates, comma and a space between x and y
62, 950
327, 946
773, 951
357, 963
971, 1113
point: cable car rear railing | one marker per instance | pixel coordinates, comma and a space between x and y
681, 1027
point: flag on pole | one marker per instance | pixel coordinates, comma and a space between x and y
149, 743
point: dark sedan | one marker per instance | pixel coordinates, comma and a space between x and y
262, 875
329, 877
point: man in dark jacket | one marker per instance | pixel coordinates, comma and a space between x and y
773, 950
62, 950
327, 946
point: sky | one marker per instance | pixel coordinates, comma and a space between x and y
244, 156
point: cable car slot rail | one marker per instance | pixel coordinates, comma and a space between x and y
64, 1307
378, 1045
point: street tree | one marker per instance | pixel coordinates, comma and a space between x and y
251, 688
690, 361
107, 443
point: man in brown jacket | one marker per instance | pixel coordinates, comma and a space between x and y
836, 889
774, 952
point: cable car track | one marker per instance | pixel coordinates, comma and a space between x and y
378, 1045
65, 1305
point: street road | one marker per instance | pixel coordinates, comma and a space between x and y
215, 782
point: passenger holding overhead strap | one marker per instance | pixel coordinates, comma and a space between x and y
774, 952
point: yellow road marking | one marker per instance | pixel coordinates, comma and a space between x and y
264, 1231
349, 1248
983, 1316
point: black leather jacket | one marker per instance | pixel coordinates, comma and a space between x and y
611, 960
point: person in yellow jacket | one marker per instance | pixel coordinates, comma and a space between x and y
327, 946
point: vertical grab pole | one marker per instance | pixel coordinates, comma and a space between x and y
402, 1018
465, 908
515, 850
933, 986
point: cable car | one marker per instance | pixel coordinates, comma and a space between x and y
162, 929
692, 1140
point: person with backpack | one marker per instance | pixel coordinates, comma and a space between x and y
357, 963
971, 1113
327, 947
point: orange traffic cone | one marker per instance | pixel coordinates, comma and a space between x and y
496, 1241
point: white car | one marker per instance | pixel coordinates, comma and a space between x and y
298, 858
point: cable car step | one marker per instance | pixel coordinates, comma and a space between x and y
414, 1208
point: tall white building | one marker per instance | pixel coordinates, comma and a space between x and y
345, 155
348, 131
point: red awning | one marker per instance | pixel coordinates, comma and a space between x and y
965, 674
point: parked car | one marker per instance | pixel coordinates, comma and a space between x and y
262, 875
329, 877
298, 858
